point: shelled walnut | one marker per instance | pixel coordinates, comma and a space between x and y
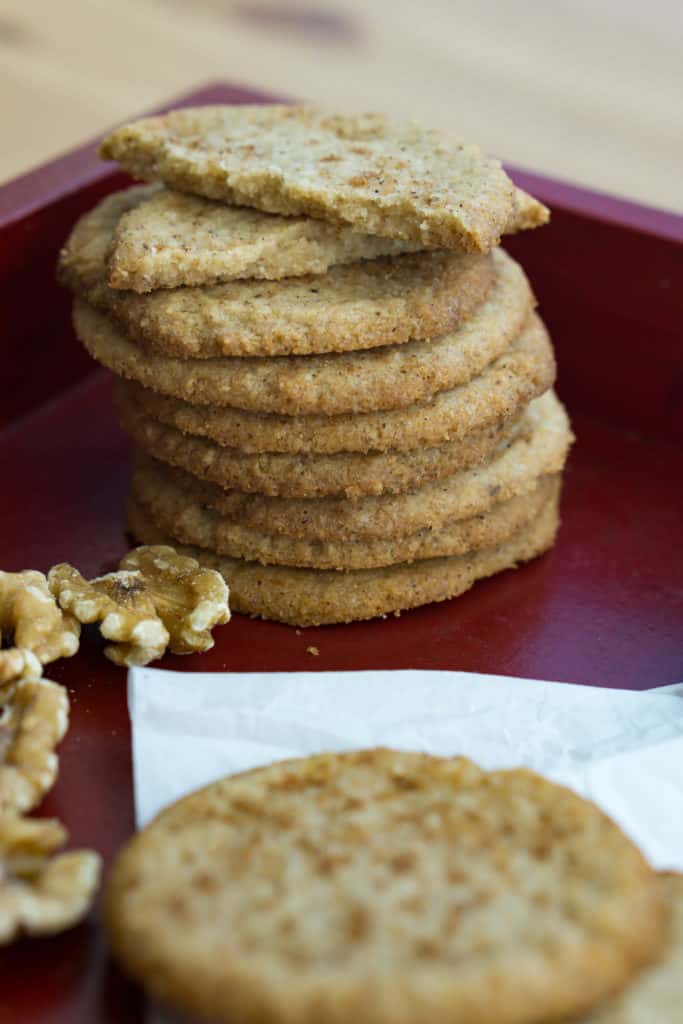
189, 600
119, 602
39, 631
34, 716
157, 599
41, 894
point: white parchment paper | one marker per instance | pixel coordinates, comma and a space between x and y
623, 750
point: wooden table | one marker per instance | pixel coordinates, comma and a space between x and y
587, 92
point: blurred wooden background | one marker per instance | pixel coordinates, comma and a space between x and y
586, 90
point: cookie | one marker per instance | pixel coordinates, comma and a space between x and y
538, 447
312, 597
170, 239
353, 474
399, 180
327, 384
525, 370
656, 995
382, 887
386, 301
175, 512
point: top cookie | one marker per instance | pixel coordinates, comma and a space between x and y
383, 888
171, 239
398, 180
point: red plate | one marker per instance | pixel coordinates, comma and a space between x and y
604, 607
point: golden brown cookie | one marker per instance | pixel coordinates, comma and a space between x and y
354, 306
460, 415
538, 447
399, 180
170, 239
352, 474
384, 378
312, 597
188, 521
383, 887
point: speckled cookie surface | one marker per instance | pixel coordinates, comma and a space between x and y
538, 446
385, 301
384, 378
313, 597
399, 180
656, 995
190, 522
170, 240
523, 372
352, 474
385, 887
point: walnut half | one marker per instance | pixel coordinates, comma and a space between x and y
157, 599
122, 606
41, 894
40, 632
189, 600
33, 720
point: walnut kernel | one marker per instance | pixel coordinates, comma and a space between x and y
40, 632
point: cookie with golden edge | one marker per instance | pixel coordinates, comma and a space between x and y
315, 597
171, 239
538, 447
189, 522
385, 301
525, 371
395, 179
656, 995
389, 377
385, 887
352, 474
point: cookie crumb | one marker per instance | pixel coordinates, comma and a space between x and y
313, 650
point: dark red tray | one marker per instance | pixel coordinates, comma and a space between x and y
605, 607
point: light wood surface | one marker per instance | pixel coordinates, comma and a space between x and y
591, 92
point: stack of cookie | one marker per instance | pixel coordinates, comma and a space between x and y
338, 389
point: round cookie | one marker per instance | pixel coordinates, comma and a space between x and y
525, 371
384, 378
538, 447
187, 521
353, 306
314, 597
172, 239
352, 474
382, 887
